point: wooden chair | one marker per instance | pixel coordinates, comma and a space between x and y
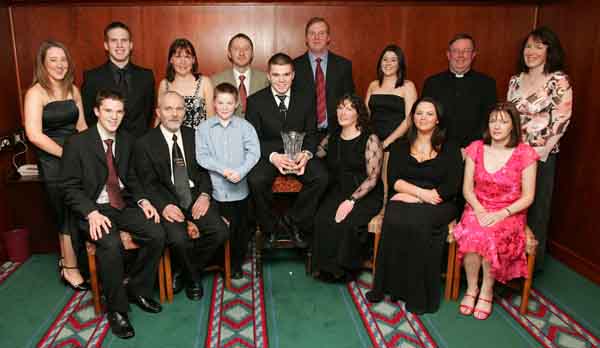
281, 184
530, 248
195, 233
128, 244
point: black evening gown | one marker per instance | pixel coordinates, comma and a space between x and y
387, 112
340, 247
58, 122
413, 234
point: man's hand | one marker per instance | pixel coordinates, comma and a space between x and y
98, 223
200, 206
149, 211
282, 163
173, 214
301, 161
343, 210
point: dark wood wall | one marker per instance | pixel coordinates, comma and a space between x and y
359, 32
9, 117
574, 234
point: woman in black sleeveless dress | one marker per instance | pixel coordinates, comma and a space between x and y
391, 96
354, 196
53, 112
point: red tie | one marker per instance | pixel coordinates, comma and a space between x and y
321, 103
112, 181
243, 93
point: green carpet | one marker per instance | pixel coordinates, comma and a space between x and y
300, 311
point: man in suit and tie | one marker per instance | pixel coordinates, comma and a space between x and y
102, 189
281, 107
118, 73
240, 52
323, 74
181, 191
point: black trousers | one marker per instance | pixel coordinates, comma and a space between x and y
314, 181
193, 255
109, 253
236, 212
538, 214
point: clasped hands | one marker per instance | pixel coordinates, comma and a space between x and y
232, 175
423, 196
487, 219
285, 165
100, 223
172, 213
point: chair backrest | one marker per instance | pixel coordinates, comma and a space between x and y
384, 178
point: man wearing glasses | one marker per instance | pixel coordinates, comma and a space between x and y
465, 94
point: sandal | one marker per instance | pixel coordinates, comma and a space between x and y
468, 310
480, 314
83, 286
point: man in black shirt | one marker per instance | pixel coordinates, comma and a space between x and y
466, 95
119, 73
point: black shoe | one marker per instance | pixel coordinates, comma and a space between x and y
177, 282
271, 239
237, 275
83, 286
194, 290
146, 304
120, 325
293, 231
374, 296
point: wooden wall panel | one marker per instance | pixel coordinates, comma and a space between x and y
9, 117
574, 234
359, 32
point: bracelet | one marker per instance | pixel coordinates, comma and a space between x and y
352, 199
509, 212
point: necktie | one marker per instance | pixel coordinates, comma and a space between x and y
281, 105
243, 93
122, 83
180, 176
320, 85
112, 181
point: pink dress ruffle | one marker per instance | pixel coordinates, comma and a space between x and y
503, 244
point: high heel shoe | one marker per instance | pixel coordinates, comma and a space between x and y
468, 310
83, 286
483, 315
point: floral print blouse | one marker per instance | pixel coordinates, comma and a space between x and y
545, 114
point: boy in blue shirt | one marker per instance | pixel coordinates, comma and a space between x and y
227, 146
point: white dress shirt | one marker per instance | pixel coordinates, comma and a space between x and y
169, 139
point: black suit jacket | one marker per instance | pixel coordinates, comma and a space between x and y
338, 81
84, 170
153, 162
263, 113
139, 103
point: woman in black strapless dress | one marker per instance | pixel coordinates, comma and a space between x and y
53, 112
391, 96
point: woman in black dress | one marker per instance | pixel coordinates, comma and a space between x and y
53, 112
425, 175
354, 196
391, 96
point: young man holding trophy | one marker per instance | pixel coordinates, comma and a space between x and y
275, 111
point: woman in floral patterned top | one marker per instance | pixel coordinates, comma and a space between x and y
543, 95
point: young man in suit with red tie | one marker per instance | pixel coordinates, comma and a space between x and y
281, 107
324, 74
103, 191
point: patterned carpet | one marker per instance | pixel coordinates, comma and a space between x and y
237, 317
388, 323
547, 323
76, 325
6, 269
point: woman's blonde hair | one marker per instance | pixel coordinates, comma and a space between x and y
40, 74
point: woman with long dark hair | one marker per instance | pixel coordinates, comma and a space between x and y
424, 174
542, 93
183, 77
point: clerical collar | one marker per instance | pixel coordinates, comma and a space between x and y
459, 76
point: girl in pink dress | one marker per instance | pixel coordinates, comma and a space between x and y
499, 185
